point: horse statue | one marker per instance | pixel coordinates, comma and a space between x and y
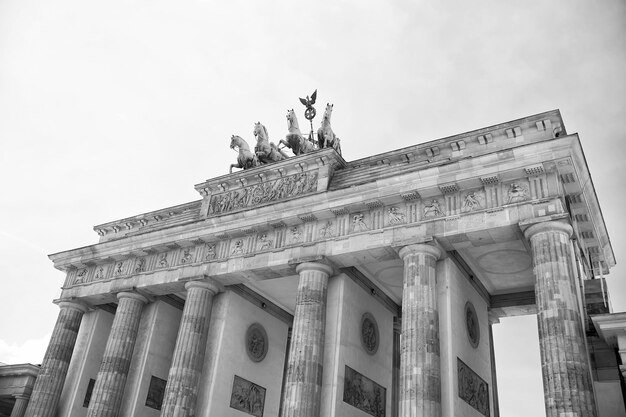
246, 159
265, 150
325, 135
294, 139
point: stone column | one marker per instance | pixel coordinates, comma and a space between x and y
47, 390
303, 384
567, 382
19, 408
182, 383
420, 373
111, 379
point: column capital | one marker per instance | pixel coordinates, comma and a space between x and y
420, 248
314, 266
134, 295
550, 226
204, 284
72, 304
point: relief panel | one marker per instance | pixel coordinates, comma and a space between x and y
363, 393
248, 397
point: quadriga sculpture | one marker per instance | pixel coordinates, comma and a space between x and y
246, 159
265, 150
325, 135
294, 139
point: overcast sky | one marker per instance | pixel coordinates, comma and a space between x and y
111, 109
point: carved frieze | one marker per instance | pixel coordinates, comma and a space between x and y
248, 397
363, 393
472, 388
265, 192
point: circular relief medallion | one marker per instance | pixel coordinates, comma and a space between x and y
369, 333
471, 324
256, 342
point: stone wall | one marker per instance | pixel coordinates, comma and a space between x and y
346, 305
454, 292
227, 357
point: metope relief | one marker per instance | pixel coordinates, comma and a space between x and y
269, 191
363, 393
210, 252
396, 215
517, 192
140, 265
358, 223
472, 388
256, 342
473, 200
237, 248
264, 242
433, 209
369, 333
295, 235
327, 230
81, 276
163, 263
248, 397
186, 257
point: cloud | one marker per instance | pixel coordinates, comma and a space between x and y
30, 351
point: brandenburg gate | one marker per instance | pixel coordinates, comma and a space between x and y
311, 286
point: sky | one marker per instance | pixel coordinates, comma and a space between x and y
111, 109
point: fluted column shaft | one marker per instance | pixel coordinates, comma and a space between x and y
181, 391
111, 380
566, 377
47, 390
19, 408
303, 385
420, 373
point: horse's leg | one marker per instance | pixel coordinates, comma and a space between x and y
282, 142
234, 166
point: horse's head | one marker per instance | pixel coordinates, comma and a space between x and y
292, 121
260, 132
235, 141
328, 111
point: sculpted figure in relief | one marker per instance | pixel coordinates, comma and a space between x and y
433, 209
358, 223
246, 159
163, 261
238, 248
395, 215
264, 242
119, 268
325, 135
210, 252
517, 193
294, 139
141, 265
99, 273
296, 235
265, 150
187, 256
327, 230
471, 202
80, 277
